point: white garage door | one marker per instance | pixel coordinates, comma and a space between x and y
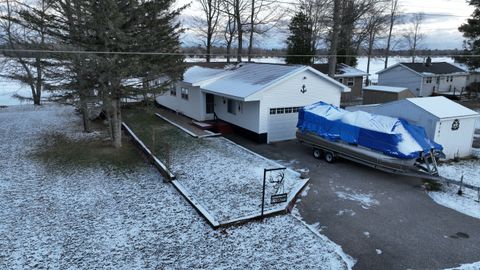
282, 126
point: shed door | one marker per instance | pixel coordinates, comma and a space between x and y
282, 124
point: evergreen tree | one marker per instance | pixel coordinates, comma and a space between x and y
300, 40
121, 41
471, 31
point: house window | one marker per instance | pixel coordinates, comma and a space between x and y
280, 110
173, 90
350, 82
273, 111
288, 110
295, 109
428, 80
185, 93
340, 80
231, 106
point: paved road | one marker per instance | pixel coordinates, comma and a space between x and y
402, 223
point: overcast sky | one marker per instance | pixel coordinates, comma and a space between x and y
440, 25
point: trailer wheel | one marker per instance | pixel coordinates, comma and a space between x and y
329, 157
317, 153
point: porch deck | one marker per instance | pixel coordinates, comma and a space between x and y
182, 121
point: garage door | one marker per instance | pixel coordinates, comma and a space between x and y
282, 126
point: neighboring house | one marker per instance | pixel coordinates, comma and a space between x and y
425, 79
445, 121
349, 76
262, 100
377, 94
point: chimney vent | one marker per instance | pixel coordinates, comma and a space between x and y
428, 62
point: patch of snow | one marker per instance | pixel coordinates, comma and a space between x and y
468, 266
465, 204
469, 168
366, 200
367, 234
350, 261
385, 88
305, 191
442, 107
379, 251
100, 217
346, 212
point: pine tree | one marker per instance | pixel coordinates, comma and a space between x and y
300, 40
471, 31
129, 40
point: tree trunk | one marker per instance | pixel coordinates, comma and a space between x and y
37, 89
389, 39
87, 124
238, 18
114, 120
209, 45
250, 42
332, 58
370, 49
229, 48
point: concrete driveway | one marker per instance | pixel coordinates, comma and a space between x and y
384, 221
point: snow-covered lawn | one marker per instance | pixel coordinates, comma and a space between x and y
448, 197
100, 216
225, 178
228, 179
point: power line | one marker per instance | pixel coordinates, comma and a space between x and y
203, 54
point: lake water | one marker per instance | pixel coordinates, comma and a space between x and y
10, 88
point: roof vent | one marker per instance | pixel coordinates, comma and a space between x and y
428, 62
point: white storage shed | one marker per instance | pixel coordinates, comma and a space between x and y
445, 121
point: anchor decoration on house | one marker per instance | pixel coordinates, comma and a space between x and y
456, 124
304, 89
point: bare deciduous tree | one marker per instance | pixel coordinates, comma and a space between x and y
230, 28
413, 36
375, 25
27, 69
392, 19
264, 15
209, 22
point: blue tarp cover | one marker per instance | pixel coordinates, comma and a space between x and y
391, 136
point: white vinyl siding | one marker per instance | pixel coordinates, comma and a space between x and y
194, 107
246, 115
287, 96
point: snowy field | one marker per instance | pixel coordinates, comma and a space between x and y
78, 217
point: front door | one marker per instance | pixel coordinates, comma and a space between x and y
209, 103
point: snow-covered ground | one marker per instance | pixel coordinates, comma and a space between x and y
468, 266
228, 179
108, 218
468, 203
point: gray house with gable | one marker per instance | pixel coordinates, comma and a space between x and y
425, 79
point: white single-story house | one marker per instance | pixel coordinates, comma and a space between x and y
261, 99
425, 79
445, 121
377, 94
